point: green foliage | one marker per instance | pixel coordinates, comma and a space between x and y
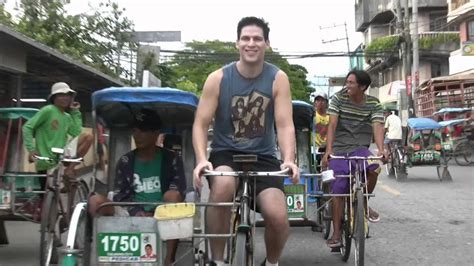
5, 17
428, 42
191, 67
380, 46
384, 46
97, 39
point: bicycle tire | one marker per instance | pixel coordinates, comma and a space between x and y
83, 239
463, 154
389, 166
359, 229
201, 259
243, 253
327, 214
399, 168
345, 249
48, 230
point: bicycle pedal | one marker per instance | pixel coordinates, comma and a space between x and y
338, 249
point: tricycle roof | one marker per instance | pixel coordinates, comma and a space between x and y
423, 123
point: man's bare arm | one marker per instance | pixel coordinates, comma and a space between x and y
204, 115
378, 131
284, 117
284, 122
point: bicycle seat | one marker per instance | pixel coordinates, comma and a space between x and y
245, 158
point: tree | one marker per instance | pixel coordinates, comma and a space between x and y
199, 59
99, 39
5, 17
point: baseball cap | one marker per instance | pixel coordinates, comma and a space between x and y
147, 120
317, 94
60, 87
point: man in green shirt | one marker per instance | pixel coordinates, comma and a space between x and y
52, 125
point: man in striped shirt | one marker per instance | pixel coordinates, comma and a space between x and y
354, 119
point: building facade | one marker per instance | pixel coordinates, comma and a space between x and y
377, 21
461, 14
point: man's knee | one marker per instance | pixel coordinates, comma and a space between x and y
172, 196
277, 220
95, 201
222, 188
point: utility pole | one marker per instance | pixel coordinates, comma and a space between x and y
407, 66
340, 39
416, 58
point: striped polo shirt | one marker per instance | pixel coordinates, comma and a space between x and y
354, 125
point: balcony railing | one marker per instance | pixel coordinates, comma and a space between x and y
432, 42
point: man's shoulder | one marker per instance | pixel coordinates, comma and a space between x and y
372, 99
271, 66
127, 157
48, 108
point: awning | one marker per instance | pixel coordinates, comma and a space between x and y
39, 66
389, 91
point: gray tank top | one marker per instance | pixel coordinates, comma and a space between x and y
244, 119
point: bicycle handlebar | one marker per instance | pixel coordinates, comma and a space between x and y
67, 160
355, 157
282, 173
42, 158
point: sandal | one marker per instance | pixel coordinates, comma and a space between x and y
374, 217
332, 243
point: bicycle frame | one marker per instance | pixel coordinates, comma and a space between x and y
245, 224
356, 193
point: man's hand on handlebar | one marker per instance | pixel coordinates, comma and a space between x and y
31, 156
294, 173
384, 154
199, 171
325, 160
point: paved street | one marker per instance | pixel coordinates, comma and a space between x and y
424, 222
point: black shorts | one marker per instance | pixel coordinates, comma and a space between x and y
265, 163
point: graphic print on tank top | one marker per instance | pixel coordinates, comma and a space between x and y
248, 115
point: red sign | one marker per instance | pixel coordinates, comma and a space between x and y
408, 85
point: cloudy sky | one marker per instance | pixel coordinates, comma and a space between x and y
295, 25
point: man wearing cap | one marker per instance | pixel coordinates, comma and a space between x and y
320, 122
52, 125
147, 174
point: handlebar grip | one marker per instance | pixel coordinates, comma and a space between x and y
42, 158
237, 173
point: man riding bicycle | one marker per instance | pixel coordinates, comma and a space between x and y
354, 117
247, 99
393, 127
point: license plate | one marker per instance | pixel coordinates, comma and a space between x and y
427, 156
127, 247
295, 203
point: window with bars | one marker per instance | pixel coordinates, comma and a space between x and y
470, 30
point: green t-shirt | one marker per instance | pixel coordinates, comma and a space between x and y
146, 180
50, 128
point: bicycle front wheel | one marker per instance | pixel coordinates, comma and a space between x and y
463, 154
359, 229
327, 221
345, 250
49, 230
243, 249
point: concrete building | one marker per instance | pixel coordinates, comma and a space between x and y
461, 14
377, 21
